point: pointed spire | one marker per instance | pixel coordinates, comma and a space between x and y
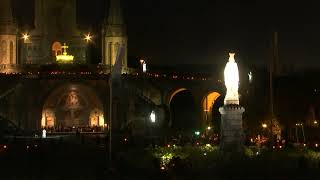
115, 13
5, 12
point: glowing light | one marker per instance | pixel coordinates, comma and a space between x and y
250, 76
280, 147
5, 147
65, 57
231, 80
153, 117
208, 145
25, 36
315, 122
88, 37
204, 154
197, 133
304, 145
144, 67
316, 145
208, 127
44, 133
264, 125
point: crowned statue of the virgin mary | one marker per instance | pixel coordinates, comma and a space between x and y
231, 80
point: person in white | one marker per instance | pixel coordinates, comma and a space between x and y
231, 80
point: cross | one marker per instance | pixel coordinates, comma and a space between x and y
64, 47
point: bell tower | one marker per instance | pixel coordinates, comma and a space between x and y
114, 36
8, 34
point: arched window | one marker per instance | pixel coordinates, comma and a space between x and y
11, 52
56, 48
3, 52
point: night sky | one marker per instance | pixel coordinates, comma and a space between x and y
204, 31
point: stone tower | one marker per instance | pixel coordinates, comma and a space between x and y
114, 35
55, 24
8, 34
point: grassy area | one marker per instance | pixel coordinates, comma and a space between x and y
76, 158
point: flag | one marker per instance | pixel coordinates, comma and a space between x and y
117, 68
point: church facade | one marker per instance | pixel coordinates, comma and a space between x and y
55, 23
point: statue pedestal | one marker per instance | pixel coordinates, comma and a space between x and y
232, 139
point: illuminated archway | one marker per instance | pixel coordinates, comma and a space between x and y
72, 105
208, 103
56, 49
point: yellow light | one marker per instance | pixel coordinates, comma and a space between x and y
64, 57
304, 145
25, 36
264, 125
88, 37
316, 145
208, 127
315, 122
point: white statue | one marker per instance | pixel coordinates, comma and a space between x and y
231, 80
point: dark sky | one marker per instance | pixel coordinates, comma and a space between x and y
204, 31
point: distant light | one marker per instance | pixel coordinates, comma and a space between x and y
280, 147
88, 37
250, 76
204, 154
44, 133
197, 133
25, 36
264, 125
315, 122
304, 145
208, 127
153, 117
316, 145
144, 67
5, 147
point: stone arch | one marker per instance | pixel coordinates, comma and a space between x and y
173, 93
208, 103
183, 111
72, 105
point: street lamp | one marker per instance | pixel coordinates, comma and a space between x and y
88, 37
153, 117
264, 125
25, 37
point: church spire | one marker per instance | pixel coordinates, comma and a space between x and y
115, 13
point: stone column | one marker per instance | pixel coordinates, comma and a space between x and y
232, 139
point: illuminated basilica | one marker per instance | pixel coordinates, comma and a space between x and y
55, 23
48, 82
56, 39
